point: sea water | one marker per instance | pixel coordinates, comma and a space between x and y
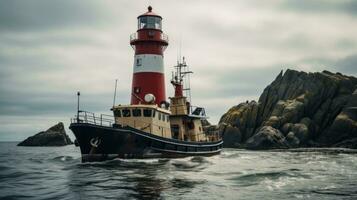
57, 173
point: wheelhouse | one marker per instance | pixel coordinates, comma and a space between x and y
148, 118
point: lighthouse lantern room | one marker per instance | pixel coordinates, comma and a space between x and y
149, 43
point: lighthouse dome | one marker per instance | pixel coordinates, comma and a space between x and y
150, 13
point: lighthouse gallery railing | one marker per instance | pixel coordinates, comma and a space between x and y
135, 36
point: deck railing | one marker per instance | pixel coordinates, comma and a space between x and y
92, 118
108, 120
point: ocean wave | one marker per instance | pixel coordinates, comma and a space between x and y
319, 150
57, 173
15, 197
63, 158
9, 174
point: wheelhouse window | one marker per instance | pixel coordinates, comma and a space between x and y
163, 117
126, 113
117, 113
159, 115
152, 22
147, 113
137, 112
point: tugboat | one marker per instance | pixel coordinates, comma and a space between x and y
150, 127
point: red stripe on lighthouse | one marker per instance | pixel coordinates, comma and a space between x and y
148, 83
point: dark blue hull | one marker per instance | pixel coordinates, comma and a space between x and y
98, 143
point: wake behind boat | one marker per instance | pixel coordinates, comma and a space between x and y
150, 126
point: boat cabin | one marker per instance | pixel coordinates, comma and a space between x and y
148, 118
175, 123
185, 124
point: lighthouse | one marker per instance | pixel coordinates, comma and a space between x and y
149, 44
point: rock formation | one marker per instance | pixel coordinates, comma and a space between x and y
297, 109
54, 136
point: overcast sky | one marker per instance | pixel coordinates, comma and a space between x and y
51, 49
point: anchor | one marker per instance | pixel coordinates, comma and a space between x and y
94, 142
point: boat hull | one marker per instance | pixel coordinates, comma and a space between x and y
98, 143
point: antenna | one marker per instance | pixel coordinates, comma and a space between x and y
78, 94
115, 92
180, 47
187, 84
181, 76
188, 81
179, 50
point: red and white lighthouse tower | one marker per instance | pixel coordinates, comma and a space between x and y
149, 43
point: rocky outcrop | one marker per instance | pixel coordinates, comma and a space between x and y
307, 110
267, 138
54, 136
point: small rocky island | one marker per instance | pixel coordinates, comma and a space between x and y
54, 136
297, 109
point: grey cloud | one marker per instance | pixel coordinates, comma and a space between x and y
49, 50
46, 38
234, 82
347, 65
42, 14
346, 43
321, 6
52, 103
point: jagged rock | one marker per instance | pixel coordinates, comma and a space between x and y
286, 128
307, 122
292, 140
243, 117
267, 138
273, 121
293, 110
301, 132
344, 126
318, 108
232, 137
54, 136
350, 143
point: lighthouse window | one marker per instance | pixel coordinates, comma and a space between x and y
136, 90
149, 22
147, 112
137, 112
142, 22
158, 23
126, 113
138, 62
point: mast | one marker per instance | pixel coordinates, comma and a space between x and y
181, 79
